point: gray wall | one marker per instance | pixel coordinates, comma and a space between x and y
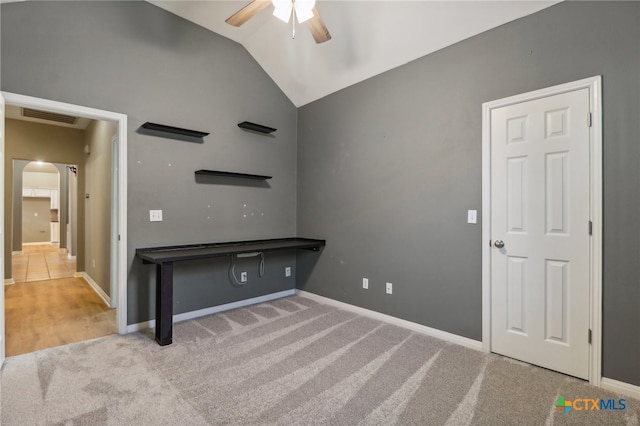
14, 209
97, 209
36, 226
63, 209
134, 58
389, 167
72, 215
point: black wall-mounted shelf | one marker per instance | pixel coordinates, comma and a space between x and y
160, 255
174, 130
231, 174
256, 127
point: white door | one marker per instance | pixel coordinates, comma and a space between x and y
2, 231
540, 229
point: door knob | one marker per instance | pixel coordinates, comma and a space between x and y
499, 243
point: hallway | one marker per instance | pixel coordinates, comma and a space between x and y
48, 306
41, 262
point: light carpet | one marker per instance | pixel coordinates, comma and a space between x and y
287, 362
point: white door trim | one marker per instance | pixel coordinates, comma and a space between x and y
2, 232
121, 121
594, 84
115, 228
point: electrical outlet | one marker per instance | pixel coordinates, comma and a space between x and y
365, 283
389, 288
243, 277
155, 215
287, 271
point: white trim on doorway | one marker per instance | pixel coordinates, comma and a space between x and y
120, 240
594, 84
113, 285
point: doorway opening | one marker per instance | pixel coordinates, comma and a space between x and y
71, 208
40, 203
41, 244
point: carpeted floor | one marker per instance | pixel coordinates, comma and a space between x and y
290, 361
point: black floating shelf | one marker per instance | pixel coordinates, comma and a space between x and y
256, 127
174, 130
231, 174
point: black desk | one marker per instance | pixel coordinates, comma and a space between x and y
163, 258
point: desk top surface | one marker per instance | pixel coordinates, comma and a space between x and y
165, 254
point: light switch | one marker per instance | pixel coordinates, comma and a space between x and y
155, 215
472, 216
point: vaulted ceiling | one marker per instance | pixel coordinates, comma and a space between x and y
368, 37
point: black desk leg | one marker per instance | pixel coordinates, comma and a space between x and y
164, 303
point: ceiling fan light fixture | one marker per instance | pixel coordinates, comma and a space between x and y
282, 9
304, 9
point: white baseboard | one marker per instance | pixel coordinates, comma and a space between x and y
41, 243
433, 332
94, 285
71, 257
9, 281
213, 310
17, 252
78, 275
623, 388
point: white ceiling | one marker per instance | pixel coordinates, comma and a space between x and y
369, 37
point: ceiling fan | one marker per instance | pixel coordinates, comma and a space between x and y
303, 10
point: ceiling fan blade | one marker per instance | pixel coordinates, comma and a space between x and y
318, 29
247, 12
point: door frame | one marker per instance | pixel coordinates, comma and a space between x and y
2, 230
594, 84
118, 239
115, 208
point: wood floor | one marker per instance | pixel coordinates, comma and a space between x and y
52, 312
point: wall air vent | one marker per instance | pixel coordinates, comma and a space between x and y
49, 116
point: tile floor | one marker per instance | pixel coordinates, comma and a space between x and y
42, 262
